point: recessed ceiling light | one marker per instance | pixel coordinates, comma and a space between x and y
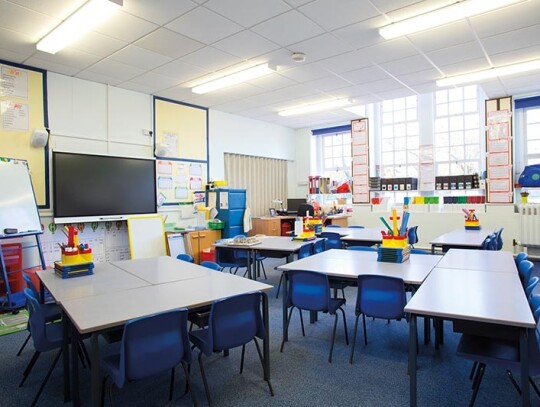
316, 107
232, 79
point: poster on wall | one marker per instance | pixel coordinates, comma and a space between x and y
499, 150
178, 180
360, 160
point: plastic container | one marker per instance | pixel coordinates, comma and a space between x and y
215, 225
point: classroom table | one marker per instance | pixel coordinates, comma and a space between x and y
361, 237
488, 260
460, 239
101, 310
486, 296
349, 264
278, 245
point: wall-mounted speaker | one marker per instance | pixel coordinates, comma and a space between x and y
39, 138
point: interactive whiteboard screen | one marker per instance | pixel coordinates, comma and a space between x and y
18, 208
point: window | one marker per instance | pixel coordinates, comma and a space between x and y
333, 148
399, 138
457, 131
531, 135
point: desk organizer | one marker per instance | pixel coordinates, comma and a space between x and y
471, 221
395, 242
70, 271
74, 253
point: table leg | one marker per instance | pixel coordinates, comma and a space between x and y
524, 352
75, 365
285, 289
266, 341
412, 359
95, 371
427, 330
432, 249
65, 356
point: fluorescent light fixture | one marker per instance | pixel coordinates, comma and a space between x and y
238, 77
435, 18
316, 107
79, 23
489, 73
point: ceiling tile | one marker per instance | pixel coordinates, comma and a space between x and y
288, 28
155, 81
518, 55
22, 44
98, 44
25, 21
471, 65
297, 3
443, 37
456, 53
386, 6
349, 61
525, 37
494, 90
100, 78
305, 73
423, 88
506, 19
58, 9
140, 57
396, 93
272, 82
407, 65
343, 12
245, 45
197, 22
180, 70
362, 34
381, 86
328, 83
69, 57
210, 59
169, 43
125, 27
321, 47
51, 66
247, 13
149, 90
415, 78
389, 51
180, 93
15, 57
364, 75
158, 11
110, 68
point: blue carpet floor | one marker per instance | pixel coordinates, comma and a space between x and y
301, 375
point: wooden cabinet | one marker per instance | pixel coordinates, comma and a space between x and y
266, 226
199, 240
338, 220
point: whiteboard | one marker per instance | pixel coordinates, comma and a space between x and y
176, 244
18, 208
146, 237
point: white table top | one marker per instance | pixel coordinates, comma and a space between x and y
487, 260
114, 310
107, 279
473, 295
366, 234
352, 263
462, 237
162, 269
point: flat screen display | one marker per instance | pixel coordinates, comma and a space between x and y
293, 203
101, 186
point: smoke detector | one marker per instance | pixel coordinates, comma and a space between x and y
298, 57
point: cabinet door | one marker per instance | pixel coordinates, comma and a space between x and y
273, 227
207, 238
192, 245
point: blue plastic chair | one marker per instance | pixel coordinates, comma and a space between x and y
211, 265
46, 337
412, 235
318, 246
378, 297
233, 322
362, 248
525, 270
532, 285
185, 257
499, 239
149, 345
520, 257
305, 251
503, 353
419, 251
333, 240
357, 227
310, 291
332, 226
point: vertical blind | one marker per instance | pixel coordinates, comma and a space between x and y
265, 180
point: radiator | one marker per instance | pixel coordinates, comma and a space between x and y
529, 215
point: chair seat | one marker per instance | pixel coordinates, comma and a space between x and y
52, 312
54, 334
489, 350
335, 304
200, 339
200, 317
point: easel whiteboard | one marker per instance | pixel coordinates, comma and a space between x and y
146, 237
18, 207
176, 244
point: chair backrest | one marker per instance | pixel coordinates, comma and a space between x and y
318, 246
305, 209
37, 324
362, 248
211, 265
309, 290
412, 235
531, 286
381, 296
534, 301
489, 242
525, 270
332, 226
154, 344
419, 251
305, 250
234, 321
520, 257
356, 227
499, 239
185, 257
333, 240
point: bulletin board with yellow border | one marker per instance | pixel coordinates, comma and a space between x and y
177, 180
182, 128
22, 110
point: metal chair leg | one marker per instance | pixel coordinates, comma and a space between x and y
24, 344
345, 326
36, 398
206, 390
189, 385
478, 381
29, 368
365, 331
171, 385
279, 285
242, 358
302, 322
354, 339
333, 338
286, 329
262, 363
